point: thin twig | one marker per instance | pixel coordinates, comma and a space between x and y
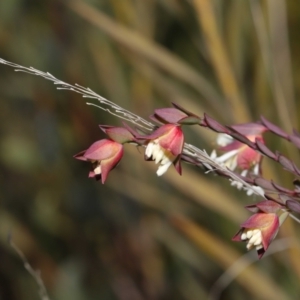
35, 274
86, 93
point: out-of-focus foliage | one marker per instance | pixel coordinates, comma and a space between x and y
139, 236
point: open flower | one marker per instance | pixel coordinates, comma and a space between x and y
259, 231
237, 154
104, 156
164, 146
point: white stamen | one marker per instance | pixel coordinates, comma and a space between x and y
244, 173
163, 168
149, 150
255, 231
97, 170
249, 234
258, 241
254, 238
227, 155
249, 246
256, 169
159, 156
213, 155
224, 139
244, 236
155, 151
232, 164
165, 160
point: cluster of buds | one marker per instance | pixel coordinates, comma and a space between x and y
163, 146
243, 148
242, 145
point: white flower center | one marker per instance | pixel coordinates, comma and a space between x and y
159, 155
253, 238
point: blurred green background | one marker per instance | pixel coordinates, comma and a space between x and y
138, 236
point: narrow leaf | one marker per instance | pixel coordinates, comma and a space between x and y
281, 189
273, 128
293, 205
265, 150
263, 183
214, 125
286, 163
295, 140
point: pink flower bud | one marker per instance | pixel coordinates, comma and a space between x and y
104, 156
